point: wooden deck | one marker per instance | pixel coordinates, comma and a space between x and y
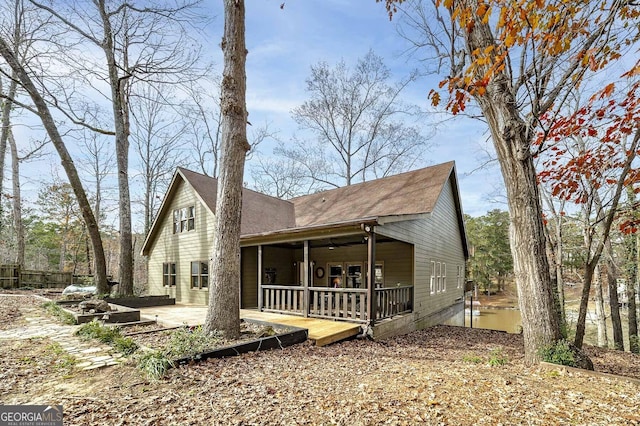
323, 332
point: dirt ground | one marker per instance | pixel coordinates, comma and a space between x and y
436, 376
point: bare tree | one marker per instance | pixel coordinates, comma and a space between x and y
157, 138
50, 126
100, 161
356, 124
139, 43
223, 313
280, 177
205, 120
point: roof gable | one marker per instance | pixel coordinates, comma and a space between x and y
260, 212
407, 193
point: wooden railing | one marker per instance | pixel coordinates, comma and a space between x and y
285, 299
392, 301
346, 304
349, 304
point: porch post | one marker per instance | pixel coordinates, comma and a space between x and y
305, 279
260, 278
371, 274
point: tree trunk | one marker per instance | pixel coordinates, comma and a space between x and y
67, 163
634, 341
4, 135
589, 268
528, 244
121, 123
601, 317
614, 306
224, 304
17, 200
633, 253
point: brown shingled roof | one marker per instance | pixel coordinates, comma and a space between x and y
408, 193
260, 212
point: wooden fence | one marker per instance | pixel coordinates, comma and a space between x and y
12, 276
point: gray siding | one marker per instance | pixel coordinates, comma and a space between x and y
436, 238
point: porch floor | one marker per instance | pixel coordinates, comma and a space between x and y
323, 332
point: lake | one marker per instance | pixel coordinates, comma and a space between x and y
496, 319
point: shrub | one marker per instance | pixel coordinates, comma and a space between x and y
55, 310
95, 330
473, 359
109, 335
154, 364
497, 358
187, 342
558, 353
125, 345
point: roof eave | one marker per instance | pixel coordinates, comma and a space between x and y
306, 229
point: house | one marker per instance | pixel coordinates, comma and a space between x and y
313, 255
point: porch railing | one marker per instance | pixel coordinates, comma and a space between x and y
285, 299
346, 304
349, 304
392, 301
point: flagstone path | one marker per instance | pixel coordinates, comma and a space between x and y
89, 354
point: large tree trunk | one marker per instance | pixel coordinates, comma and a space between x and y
224, 304
614, 307
601, 316
121, 123
4, 135
67, 163
632, 281
528, 244
17, 201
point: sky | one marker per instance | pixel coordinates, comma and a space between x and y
284, 43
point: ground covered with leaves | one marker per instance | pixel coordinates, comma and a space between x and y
443, 375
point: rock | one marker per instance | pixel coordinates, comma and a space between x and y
94, 305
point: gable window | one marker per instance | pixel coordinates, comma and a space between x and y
184, 219
169, 274
459, 277
199, 274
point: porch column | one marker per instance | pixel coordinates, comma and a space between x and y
305, 279
260, 278
371, 274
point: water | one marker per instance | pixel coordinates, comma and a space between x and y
508, 320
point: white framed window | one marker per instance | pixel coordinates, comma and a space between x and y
432, 283
443, 277
184, 219
459, 277
199, 275
438, 282
169, 274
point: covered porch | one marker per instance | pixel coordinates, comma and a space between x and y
327, 275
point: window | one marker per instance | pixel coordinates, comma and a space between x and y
443, 277
432, 283
378, 274
199, 274
184, 219
169, 274
459, 277
438, 282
